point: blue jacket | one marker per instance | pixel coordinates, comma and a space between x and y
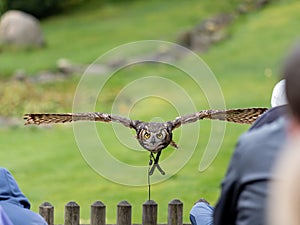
245, 186
14, 202
4, 220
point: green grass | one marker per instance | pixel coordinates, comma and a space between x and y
47, 162
84, 34
49, 167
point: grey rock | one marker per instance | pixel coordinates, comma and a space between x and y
20, 29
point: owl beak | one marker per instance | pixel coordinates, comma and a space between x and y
152, 141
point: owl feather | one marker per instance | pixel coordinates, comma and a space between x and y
153, 136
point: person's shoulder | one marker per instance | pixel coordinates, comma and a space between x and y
257, 146
277, 126
270, 133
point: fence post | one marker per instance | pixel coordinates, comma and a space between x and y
98, 213
123, 213
149, 213
175, 212
46, 210
72, 213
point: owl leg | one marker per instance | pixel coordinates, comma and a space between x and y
156, 165
173, 144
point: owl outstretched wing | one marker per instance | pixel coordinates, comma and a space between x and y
48, 118
247, 116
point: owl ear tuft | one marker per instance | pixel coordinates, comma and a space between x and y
137, 125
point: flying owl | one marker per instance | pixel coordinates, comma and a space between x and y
152, 136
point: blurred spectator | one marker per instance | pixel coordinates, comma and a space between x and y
285, 191
4, 220
14, 203
245, 186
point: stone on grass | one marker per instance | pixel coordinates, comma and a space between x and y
20, 29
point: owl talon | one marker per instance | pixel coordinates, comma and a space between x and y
159, 169
150, 162
151, 171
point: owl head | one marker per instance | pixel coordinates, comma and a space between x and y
154, 136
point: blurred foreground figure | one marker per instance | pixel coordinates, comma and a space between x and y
285, 190
243, 199
4, 220
14, 203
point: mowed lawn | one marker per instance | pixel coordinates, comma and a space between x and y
47, 162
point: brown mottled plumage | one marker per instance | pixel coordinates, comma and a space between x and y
153, 136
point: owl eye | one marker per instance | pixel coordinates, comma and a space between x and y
147, 135
159, 135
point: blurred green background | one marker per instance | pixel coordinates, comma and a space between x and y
46, 161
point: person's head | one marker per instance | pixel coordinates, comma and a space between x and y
291, 74
278, 95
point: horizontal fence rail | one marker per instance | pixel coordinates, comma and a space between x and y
124, 212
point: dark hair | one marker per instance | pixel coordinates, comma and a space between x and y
291, 74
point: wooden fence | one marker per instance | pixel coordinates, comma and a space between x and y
98, 213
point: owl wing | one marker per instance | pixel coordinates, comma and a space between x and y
247, 116
49, 118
